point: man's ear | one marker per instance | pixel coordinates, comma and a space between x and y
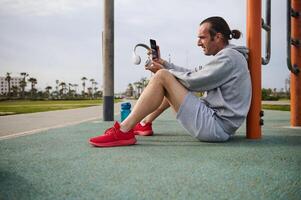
219, 36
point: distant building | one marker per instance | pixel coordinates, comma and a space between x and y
15, 81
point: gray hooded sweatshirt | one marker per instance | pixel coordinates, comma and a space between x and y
226, 79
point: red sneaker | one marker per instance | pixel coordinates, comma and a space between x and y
145, 130
114, 137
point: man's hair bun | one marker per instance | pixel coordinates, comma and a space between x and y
235, 34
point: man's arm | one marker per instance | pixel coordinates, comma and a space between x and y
168, 65
212, 75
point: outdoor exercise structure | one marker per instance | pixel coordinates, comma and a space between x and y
255, 24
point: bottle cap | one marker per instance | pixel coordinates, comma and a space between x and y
126, 105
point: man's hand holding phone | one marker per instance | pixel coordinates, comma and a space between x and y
155, 49
155, 64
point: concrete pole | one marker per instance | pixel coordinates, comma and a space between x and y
254, 45
108, 61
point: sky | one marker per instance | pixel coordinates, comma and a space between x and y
61, 39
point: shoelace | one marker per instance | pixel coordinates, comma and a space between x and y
110, 131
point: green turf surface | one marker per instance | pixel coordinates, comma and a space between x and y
60, 164
276, 107
21, 107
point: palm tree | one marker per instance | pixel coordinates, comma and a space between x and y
57, 82
92, 81
92, 85
95, 91
8, 79
84, 85
135, 84
90, 89
70, 85
95, 88
138, 86
48, 88
287, 85
75, 88
144, 81
130, 90
23, 83
100, 93
62, 90
33, 83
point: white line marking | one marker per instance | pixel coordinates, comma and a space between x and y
31, 132
293, 127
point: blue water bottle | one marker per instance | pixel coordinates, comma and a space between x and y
125, 110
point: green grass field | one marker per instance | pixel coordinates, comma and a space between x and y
20, 107
276, 107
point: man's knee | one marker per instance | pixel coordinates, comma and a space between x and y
162, 75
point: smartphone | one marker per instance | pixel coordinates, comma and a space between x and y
154, 49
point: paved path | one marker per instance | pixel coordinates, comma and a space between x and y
25, 124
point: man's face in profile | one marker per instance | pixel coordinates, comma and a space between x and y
208, 43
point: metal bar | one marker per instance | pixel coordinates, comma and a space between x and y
108, 61
254, 46
266, 25
293, 68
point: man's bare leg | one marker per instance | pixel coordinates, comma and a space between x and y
163, 84
151, 117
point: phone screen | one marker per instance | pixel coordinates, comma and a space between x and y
154, 48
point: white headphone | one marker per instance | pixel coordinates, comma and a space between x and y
136, 58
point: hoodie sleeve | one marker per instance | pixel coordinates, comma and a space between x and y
210, 76
171, 66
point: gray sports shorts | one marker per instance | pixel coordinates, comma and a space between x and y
199, 120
